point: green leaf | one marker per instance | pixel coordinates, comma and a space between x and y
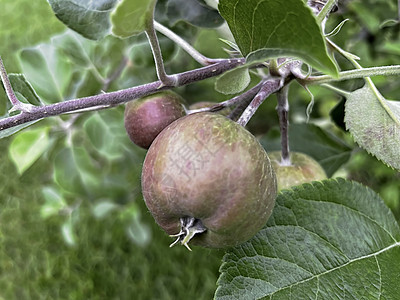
103, 208
138, 232
330, 152
66, 172
23, 89
193, 12
88, 18
106, 134
333, 239
277, 29
374, 123
48, 72
132, 17
67, 230
54, 202
10, 131
233, 81
76, 48
28, 146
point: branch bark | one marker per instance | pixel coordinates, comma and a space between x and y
118, 97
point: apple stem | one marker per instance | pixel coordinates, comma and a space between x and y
189, 228
283, 114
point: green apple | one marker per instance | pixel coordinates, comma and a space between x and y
301, 169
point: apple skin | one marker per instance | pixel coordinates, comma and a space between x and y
303, 169
145, 118
208, 167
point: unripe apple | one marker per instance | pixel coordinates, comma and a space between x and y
145, 118
302, 169
207, 180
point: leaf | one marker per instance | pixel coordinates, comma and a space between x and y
277, 29
54, 202
374, 123
28, 146
10, 131
88, 18
132, 17
233, 81
330, 152
48, 72
333, 239
103, 208
138, 232
193, 12
106, 134
67, 230
23, 89
66, 172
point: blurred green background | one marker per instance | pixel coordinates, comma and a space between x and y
73, 224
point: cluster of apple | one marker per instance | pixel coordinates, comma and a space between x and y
205, 178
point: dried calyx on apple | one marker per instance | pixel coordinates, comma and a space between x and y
207, 180
145, 118
300, 169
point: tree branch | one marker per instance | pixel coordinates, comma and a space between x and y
269, 87
118, 97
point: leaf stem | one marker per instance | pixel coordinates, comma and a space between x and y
325, 10
118, 97
196, 55
17, 105
353, 74
336, 90
368, 80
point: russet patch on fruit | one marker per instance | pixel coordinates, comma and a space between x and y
207, 180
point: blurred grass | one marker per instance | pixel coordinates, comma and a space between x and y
35, 263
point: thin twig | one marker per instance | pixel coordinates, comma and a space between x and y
196, 55
118, 97
352, 74
17, 105
283, 114
165, 79
269, 87
240, 100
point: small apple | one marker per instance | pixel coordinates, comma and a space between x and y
302, 169
145, 118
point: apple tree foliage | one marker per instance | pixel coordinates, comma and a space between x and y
334, 239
